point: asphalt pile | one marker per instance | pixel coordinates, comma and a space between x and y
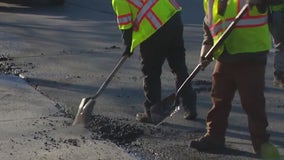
7, 66
118, 131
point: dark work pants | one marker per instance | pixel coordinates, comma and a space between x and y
248, 79
276, 25
166, 44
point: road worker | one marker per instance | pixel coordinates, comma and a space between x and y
156, 26
276, 23
239, 66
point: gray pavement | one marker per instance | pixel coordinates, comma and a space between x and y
32, 128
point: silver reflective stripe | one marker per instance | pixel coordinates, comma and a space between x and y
124, 19
154, 21
137, 3
216, 29
175, 4
146, 11
245, 23
253, 21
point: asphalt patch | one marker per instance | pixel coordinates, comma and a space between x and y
118, 131
7, 66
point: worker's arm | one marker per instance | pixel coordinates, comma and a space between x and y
206, 45
127, 40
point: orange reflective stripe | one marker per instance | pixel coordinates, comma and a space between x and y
252, 21
154, 20
145, 11
136, 4
245, 22
216, 29
124, 19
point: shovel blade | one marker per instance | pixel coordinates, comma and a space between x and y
84, 112
163, 109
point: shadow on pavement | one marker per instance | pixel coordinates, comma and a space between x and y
71, 10
232, 152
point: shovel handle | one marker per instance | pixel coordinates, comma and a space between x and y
215, 46
227, 31
110, 76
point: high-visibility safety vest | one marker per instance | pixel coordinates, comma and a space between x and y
144, 16
250, 35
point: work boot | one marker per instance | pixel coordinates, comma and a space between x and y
189, 105
278, 79
268, 151
208, 143
190, 113
144, 117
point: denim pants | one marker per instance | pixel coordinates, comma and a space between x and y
276, 24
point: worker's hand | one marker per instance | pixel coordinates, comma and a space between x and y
203, 52
127, 41
204, 62
126, 51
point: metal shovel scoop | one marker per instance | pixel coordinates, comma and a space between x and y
86, 106
169, 106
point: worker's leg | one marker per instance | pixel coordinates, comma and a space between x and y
177, 63
250, 85
223, 90
276, 24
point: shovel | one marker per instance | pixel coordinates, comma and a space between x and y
86, 106
169, 106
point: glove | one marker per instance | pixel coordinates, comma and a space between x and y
204, 61
261, 5
126, 51
127, 40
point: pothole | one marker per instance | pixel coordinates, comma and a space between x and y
118, 131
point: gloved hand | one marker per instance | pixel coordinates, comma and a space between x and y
127, 41
204, 61
261, 5
126, 51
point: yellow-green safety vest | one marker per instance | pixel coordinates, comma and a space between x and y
144, 16
250, 35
